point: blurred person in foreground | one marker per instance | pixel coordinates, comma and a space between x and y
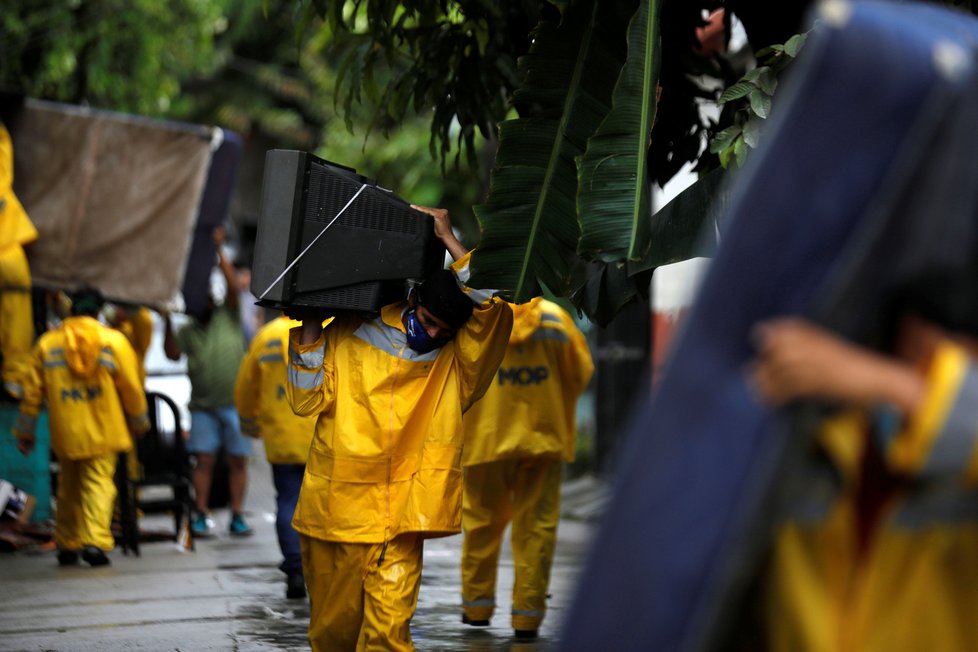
86, 374
516, 437
214, 345
16, 309
265, 414
877, 546
384, 470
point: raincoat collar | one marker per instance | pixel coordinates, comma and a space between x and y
392, 314
526, 319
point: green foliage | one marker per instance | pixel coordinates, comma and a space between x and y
750, 99
614, 208
455, 60
529, 222
130, 55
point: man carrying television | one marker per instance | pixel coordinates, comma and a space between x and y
384, 470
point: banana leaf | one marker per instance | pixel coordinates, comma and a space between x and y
686, 227
614, 199
529, 222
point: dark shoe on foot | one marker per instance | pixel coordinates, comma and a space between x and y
525, 634
475, 623
67, 557
295, 586
95, 556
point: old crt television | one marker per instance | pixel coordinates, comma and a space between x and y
363, 258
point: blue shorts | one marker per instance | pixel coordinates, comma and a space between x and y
211, 429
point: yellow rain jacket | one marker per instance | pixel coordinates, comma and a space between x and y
547, 363
86, 372
386, 456
913, 584
16, 313
138, 329
15, 227
259, 395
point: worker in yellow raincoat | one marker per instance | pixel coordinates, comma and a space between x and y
16, 312
86, 373
136, 323
265, 413
877, 547
516, 437
384, 469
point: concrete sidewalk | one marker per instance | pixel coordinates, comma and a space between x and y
230, 595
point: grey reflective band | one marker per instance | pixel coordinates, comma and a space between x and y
548, 317
392, 341
549, 334
50, 364
308, 359
305, 380
952, 449
532, 613
482, 602
271, 357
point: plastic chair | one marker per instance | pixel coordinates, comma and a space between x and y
163, 456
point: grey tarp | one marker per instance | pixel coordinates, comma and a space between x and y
114, 198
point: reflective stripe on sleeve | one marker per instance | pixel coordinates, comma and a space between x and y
306, 380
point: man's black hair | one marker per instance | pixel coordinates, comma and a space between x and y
86, 300
443, 298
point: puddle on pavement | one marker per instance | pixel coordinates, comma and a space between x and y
279, 624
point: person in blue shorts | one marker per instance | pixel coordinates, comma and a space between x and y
214, 345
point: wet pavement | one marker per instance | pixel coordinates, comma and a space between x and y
230, 595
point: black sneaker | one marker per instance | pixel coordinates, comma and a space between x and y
295, 586
475, 623
95, 556
67, 557
525, 634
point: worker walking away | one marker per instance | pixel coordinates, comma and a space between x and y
16, 311
516, 437
87, 375
265, 413
384, 470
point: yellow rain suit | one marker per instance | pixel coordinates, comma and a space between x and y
909, 582
138, 329
86, 373
515, 439
259, 395
384, 469
16, 312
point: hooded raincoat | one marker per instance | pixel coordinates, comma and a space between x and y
884, 559
86, 374
515, 439
259, 395
16, 313
530, 408
386, 455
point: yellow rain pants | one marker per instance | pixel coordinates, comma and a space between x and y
358, 601
528, 492
86, 498
16, 318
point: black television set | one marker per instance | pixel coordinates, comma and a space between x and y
330, 238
